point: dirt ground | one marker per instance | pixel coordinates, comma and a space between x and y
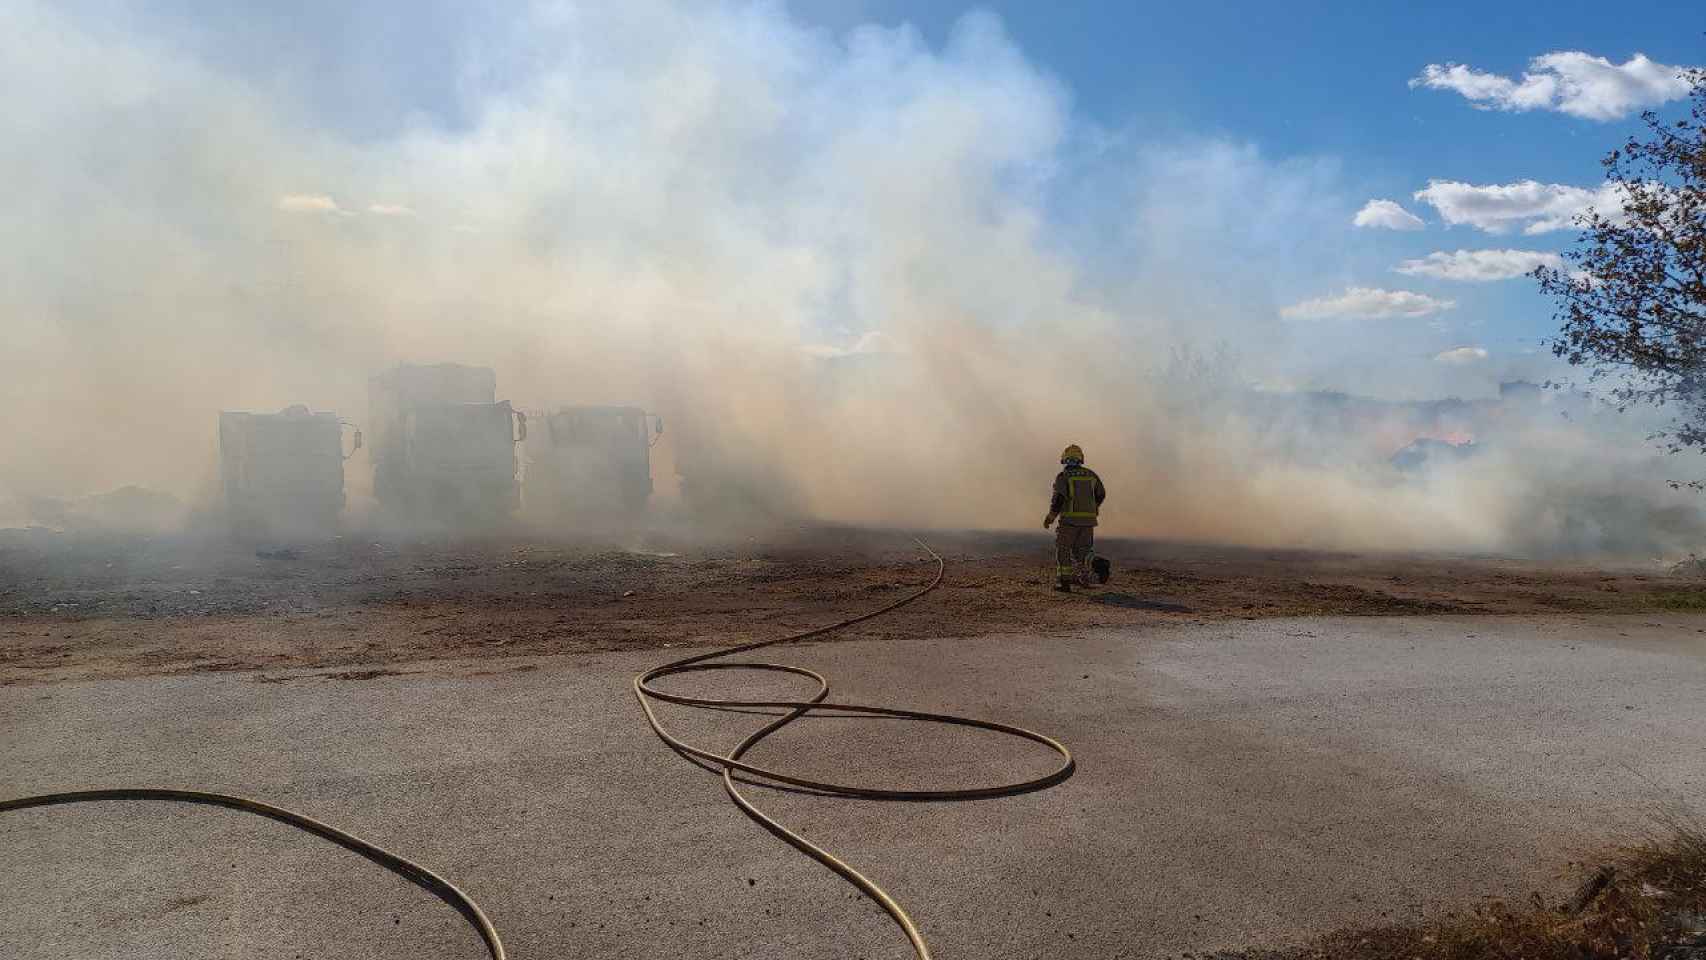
78, 607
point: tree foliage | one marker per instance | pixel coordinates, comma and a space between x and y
1632, 295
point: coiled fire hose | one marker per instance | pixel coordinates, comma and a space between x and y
792, 710
645, 693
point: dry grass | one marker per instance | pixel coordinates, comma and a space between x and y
1680, 599
1647, 903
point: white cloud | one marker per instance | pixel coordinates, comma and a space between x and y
308, 203
1369, 303
1568, 81
1479, 265
1536, 207
873, 342
1387, 214
1462, 355
390, 210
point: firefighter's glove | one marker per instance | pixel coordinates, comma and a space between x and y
1048, 521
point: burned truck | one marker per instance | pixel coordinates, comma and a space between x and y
283, 473
443, 446
591, 465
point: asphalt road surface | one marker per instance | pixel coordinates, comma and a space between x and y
1240, 783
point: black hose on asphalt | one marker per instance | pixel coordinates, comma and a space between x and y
401, 866
645, 693
819, 702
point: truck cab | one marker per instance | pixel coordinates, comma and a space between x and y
591, 463
443, 446
283, 473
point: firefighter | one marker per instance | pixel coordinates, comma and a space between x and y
1078, 496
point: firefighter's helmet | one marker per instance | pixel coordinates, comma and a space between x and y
1072, 453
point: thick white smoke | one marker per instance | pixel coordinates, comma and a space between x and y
694, 208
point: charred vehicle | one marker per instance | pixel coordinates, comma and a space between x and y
443, 446
283, 473
591, 463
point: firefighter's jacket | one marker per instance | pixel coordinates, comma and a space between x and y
1078, 496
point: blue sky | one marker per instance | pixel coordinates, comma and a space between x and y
1322, 77
1332, 80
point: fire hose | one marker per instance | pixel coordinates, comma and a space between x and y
401, 866
819, 702
729, 765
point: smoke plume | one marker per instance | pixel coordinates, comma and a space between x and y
881, 281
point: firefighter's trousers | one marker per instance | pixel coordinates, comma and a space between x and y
1074, 546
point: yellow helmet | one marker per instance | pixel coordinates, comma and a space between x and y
1072, 452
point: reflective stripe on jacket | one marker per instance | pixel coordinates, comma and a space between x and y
1078, 496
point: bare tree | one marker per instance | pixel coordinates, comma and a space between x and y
1632, 295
